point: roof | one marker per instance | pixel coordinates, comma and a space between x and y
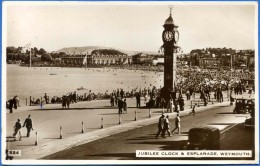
169, 21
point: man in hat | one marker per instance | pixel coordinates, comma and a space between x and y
177, 124
166, 127
160, 125
29, 125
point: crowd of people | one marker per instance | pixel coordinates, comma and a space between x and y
208, 84
187, 84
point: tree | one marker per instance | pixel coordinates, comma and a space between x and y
47, 58
35, 50
41, 51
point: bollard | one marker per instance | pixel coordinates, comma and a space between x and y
190, 104
60, 132
119, 119
135, 116
149, 113
30, 100
102, 123
26, 101
36, 141
41, 101
7, 144
212, 100
82, 131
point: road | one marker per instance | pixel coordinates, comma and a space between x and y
122, 146
48, 119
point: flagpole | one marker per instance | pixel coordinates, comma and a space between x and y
30, 55
30, 70
86, 69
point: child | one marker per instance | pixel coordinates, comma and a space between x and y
17, 128
193, 110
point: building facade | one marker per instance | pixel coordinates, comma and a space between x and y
106, 59
95, 59
207, 63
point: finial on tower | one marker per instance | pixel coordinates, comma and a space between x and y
170, 7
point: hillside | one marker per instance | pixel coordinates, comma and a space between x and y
89, 49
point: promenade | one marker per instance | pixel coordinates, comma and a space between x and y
48, 120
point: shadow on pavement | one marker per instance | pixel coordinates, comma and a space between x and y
9, 137
221, 123
110, 114
128, 120
225, 113
123, 156
66, 109
12, 140
74, 133
158, 112
152, 136
27, 145
111, 124
93, 128
51, 138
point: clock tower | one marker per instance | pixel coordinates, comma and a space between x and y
170, 37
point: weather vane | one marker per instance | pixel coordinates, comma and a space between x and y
171, 7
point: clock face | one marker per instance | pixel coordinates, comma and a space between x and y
168, 36
176, 36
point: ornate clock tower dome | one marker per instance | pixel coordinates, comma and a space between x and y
170, 37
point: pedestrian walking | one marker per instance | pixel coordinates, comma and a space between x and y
68, 99
181, 102
112, 100
177, 124
160, 126
188, 94
116, 101
193, 110
175, 103
63, 101
46, 98
170, 106
163, 103
122, 93
125, 106
17, 129
166, 127
15, 102
11, 105
120, 106
74, 97
138, 100
28, 124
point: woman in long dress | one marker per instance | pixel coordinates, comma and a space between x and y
170, 105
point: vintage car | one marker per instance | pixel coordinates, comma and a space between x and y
203, 138
243, 105
250, 122
250, 105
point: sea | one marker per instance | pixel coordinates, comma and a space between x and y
56, 81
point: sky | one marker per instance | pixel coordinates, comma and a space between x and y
135, 26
